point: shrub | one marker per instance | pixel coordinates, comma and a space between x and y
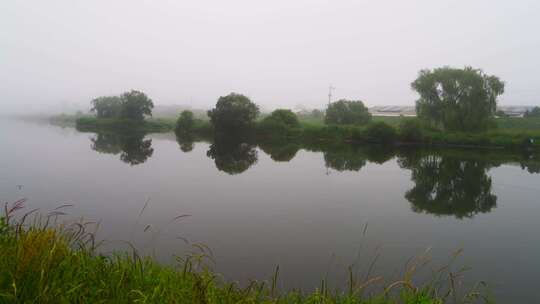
380, 132
410, 130
283, 116
281, 123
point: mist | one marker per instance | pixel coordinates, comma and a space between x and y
59, 54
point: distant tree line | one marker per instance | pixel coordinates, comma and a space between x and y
450, 99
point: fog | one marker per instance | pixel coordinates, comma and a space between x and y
59, 54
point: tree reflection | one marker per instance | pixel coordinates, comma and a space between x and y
232, 156
186, 142
351, 158
280, 152
345, 160
132, 147
530, 162
446, 185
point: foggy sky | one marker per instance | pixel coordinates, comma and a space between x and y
280, 52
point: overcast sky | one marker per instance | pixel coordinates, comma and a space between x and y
280, 52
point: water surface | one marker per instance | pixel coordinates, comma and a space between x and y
305, 209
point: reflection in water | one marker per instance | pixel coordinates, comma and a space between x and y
231, 156
353, 158
533, 168
345, 159
531, 162
133, 148
186, 142
446, 182
446, 185
280, 153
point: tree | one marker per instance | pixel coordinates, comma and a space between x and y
135, 105
233, 113
344, 112
106, 106
317, 114
535, 112
185, 122
457, 99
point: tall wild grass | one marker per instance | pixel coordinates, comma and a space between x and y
45, 261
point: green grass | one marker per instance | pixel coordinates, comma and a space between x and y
506, 123
44, 263
90, 123
510, 132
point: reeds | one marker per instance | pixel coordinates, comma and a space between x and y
45, 261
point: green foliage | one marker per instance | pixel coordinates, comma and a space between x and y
284, 117
132, 105
410, 130
135, 105
94, 124
317, 114
534, 113
380, 132
280, 123
107, 106
185, 122
347, 112
457, 99
3, 226
233, 113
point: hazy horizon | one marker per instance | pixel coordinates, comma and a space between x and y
281, 53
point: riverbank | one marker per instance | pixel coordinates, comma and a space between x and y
60, 264
511, 133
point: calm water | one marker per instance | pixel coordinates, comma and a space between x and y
302, 209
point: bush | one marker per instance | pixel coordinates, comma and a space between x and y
410, 130
283, 116
380, 132
281, 123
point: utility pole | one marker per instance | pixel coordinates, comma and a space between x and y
330, 89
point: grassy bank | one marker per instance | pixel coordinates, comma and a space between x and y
44, 263
512, 133
89, 123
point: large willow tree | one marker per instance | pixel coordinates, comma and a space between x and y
457, 99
